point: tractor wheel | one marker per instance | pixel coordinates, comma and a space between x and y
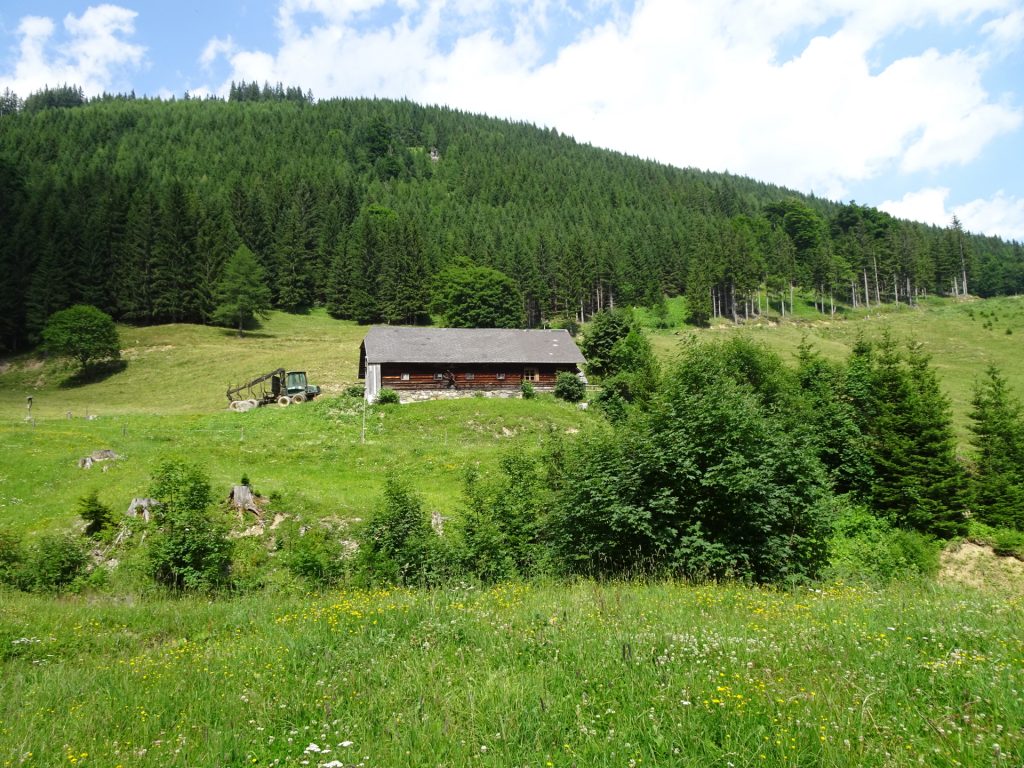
283, 400
299, 398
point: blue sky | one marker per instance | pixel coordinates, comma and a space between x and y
914, 106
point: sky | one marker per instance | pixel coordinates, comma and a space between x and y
912, 106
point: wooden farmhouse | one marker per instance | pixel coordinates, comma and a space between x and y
423, 363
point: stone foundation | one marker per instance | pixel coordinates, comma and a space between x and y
420, 395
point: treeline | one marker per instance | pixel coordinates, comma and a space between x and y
134, 206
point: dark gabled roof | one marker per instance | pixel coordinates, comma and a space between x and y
397, 344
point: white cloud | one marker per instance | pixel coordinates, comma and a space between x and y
687, 82
1006, 32
1001, 214
926, 205
94, 53
216, 48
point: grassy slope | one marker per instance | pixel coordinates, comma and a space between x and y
178, 369
568, 675
962, 337
562, 675
169, 400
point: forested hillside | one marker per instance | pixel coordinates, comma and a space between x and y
135, 206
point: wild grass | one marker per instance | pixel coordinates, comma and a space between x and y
179, 369
577, 674
169, 400
317, 459
573, 675
963, 337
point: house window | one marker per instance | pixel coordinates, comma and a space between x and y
531, 374
405, 377
438, 376
470, 376
500, 376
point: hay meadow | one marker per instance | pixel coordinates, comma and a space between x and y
581, 673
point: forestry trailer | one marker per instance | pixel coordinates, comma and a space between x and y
281, 387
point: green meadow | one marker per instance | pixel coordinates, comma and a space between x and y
329, 458
583, 674
544, 674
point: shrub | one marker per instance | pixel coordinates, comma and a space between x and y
12, 557
99, 520
387, 397
54, 562
396, 545
355, 390
190, 550
500, 520
869, 548
251, 564
316, 555
568, 387
707, 483
1008, 543
179, 485
611, 403
528, 390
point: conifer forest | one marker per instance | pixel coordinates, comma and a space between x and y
135, 206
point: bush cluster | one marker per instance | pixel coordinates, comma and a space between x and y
51, 563
189, 548
387, 396
732, 466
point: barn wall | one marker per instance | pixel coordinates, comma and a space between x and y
423, 376
373, 382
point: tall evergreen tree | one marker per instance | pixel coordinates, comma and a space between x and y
174, 290
997, 425
242, 294
917, 482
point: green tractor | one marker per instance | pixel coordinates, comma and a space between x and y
280, 386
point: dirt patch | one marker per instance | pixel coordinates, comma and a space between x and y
974, 565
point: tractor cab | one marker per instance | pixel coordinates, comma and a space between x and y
295, 384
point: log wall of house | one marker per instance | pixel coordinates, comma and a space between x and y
424, 375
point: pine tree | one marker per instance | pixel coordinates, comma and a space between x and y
174, 289
997, 483
940, 477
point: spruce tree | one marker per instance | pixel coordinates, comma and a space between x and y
917, 482
997, 483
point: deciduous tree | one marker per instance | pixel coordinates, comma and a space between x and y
84, 333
